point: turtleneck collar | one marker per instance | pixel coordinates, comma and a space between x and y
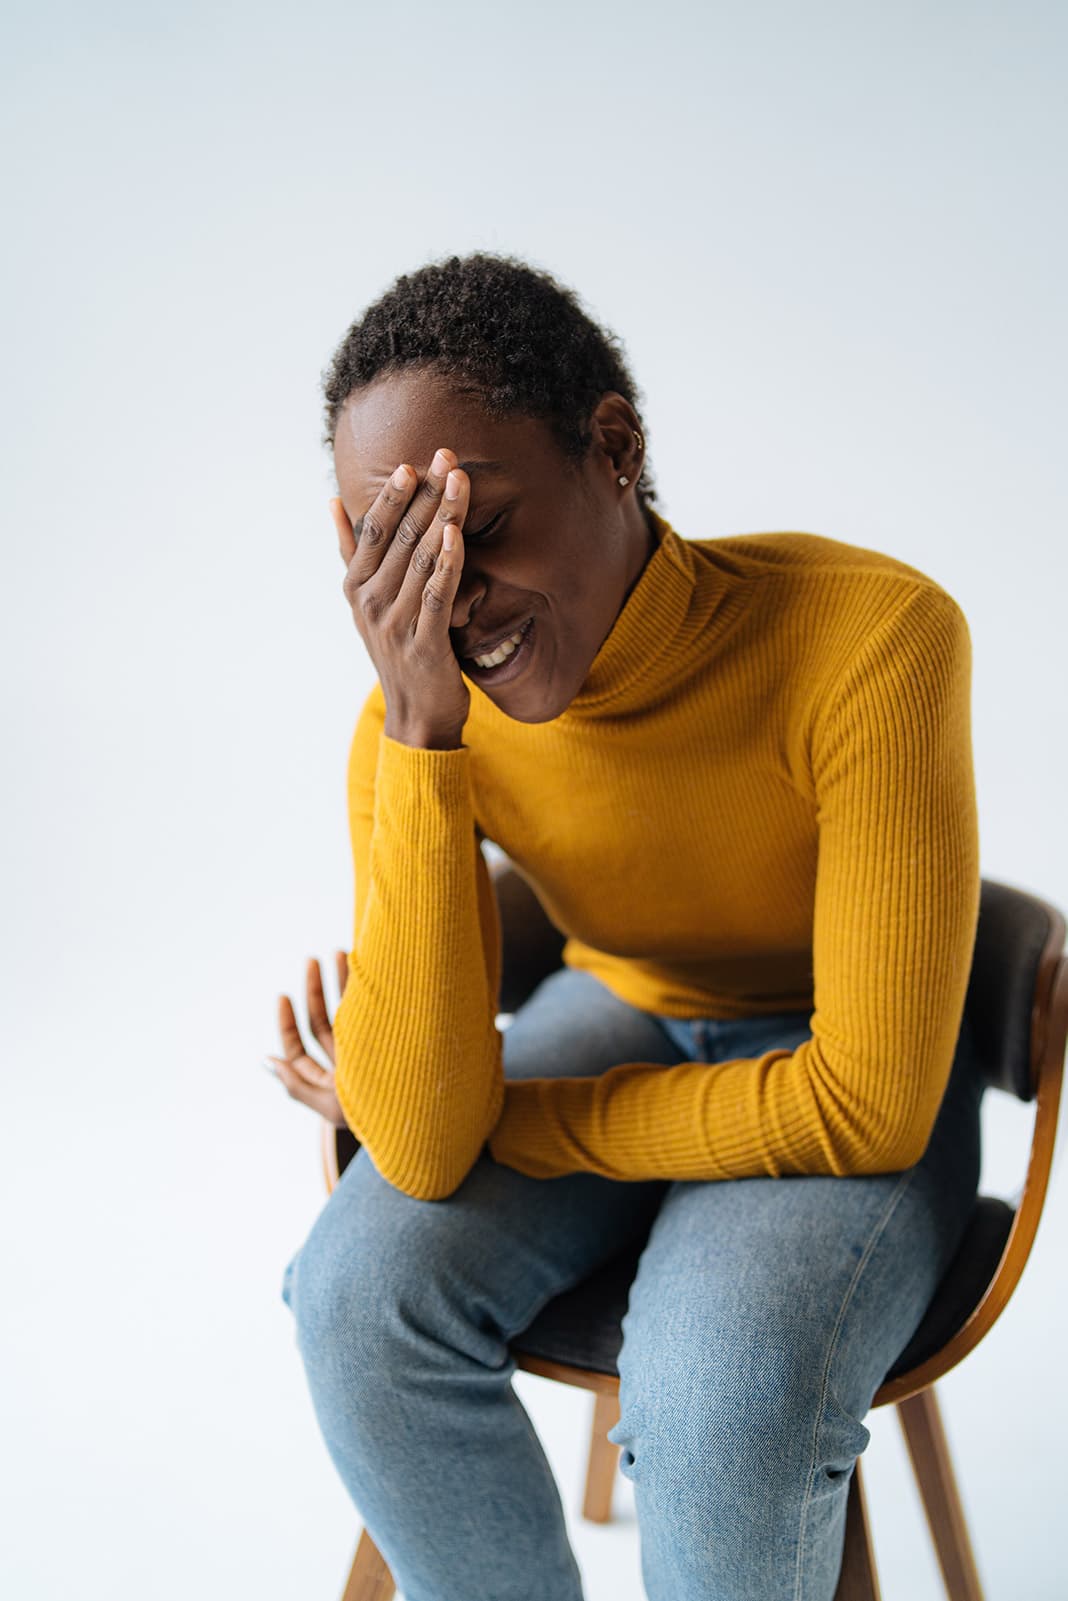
647, 629
684, 602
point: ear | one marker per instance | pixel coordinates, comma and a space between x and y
618, 439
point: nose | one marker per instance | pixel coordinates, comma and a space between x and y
468, 599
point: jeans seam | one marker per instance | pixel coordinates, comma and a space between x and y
876, 1235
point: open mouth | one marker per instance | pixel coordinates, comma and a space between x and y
517, 652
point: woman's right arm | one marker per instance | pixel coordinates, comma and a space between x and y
419, 1073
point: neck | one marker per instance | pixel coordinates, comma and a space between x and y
642, 542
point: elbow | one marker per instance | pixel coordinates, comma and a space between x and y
427, 1134
420, 1169
896, 1150
865, 1147
872, 1127
908, 1149
423, 1182
421, 1161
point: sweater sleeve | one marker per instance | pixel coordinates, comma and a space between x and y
419, 1072
895, 916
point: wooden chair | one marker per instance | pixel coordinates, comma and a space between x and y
1018, 1003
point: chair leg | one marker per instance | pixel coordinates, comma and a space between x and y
604, 1459
369, 1577
925, 1437
857, 1578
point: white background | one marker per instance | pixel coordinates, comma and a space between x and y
832, 239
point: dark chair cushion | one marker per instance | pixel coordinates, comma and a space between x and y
582, 1328
965, 1283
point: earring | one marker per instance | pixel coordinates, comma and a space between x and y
623, 479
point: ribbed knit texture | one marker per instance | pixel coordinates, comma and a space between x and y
762, 799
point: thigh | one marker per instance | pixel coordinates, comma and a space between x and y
766, 1312
573, 1026
485, 1259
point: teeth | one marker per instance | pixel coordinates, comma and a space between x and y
502, 653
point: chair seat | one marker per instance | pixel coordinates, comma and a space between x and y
581, 1327
964, 1284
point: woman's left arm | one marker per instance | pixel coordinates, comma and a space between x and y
895, 915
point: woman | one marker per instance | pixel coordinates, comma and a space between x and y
737, 774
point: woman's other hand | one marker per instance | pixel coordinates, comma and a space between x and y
401, 579
305, 1078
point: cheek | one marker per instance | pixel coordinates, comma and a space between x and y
541, 561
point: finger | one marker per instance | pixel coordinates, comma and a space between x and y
341, 962
318, 1017
371, 537
292, 1044
439, 591
301, 1069
451, 512
388, 539
319, 1099
346, 539
295, 1054
312, 1073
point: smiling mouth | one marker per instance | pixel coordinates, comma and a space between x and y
506, 661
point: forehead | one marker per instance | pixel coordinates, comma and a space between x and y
407, 416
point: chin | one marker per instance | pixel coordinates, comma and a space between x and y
535, 713
534, 704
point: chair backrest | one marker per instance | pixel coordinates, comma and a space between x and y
1017, 947
1016, 1008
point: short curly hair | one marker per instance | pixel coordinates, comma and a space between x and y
521, 339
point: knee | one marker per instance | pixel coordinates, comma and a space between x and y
739, 1441
349, 1287
380, 1291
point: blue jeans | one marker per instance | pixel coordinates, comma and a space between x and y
764, 1315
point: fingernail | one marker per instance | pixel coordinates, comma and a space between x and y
452, 487
400, 477
440, 464
269, 1065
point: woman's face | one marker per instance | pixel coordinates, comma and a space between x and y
567, 543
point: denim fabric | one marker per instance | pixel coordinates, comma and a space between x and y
764, 1315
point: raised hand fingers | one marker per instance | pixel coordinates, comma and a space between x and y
318, 1018
341, 962
375, 528
429, 585
403, 609
294, 1056
292, 1044
418, 519
391, 529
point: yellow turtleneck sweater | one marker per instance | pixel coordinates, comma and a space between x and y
762, 799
